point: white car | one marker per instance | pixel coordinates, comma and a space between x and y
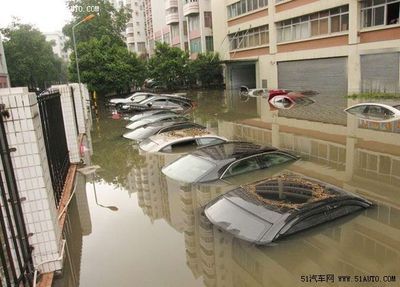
375, 112
134, 98
180, 141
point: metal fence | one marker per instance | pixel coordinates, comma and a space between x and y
55, 140
16, 265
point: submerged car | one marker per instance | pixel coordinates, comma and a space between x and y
161, 102
267, 210
155, 118
134, 98
245, 91
289, 101
224, 160
148, 114
375, 112
180, 141
149, 130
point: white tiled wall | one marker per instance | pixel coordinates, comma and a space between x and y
71, 132
24, 132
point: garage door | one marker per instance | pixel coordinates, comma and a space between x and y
242, 75
322, 75
380, 72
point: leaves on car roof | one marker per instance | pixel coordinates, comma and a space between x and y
191, 132
285, 186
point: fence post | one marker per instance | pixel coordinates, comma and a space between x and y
30, 166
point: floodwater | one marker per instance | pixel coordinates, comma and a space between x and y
130, 226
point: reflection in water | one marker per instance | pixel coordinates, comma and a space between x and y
334, 148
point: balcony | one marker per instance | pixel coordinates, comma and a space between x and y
130, 30
170, 4
190, 8
130, 39
172, 18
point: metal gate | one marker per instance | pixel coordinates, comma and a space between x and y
16, 265
54, 139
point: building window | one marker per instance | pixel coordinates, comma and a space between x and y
195, 45
185, 29
174, 31
244, 6
316, 24
209, 44
193, 23
207, 19
189, 1
166, 38
254, 37
379, 12
172, 10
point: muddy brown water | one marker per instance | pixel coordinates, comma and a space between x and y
128, 225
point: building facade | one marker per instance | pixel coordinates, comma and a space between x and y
58, 39
190, 25
4, 79
135, 28
340, 46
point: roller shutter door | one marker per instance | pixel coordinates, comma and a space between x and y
322, 75
380, 72
243, 75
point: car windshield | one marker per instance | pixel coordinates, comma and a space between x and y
238, 221
148, 145
148, 100
188, 168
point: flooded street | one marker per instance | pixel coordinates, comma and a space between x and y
129, 225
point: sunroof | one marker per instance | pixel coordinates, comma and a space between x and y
288, 192
228, 150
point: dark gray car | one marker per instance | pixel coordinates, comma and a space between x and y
276, 207
224, 160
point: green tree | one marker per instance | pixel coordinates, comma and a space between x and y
169, 66
208, 70
107, 21
30, 58
106, 66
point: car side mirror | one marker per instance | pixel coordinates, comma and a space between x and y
149, 105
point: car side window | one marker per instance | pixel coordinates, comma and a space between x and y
208, 141
180, 146
272, 159
242, 166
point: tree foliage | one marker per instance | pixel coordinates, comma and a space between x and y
169, 66
30, 58
207, 69
107, 66
107, 21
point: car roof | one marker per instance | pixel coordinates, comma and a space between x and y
191, 133
231, 150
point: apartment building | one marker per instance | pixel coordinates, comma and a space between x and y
58, 40
135, 29
4, 80
337, 46
190, 24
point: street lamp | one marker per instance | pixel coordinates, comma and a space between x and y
87, 18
